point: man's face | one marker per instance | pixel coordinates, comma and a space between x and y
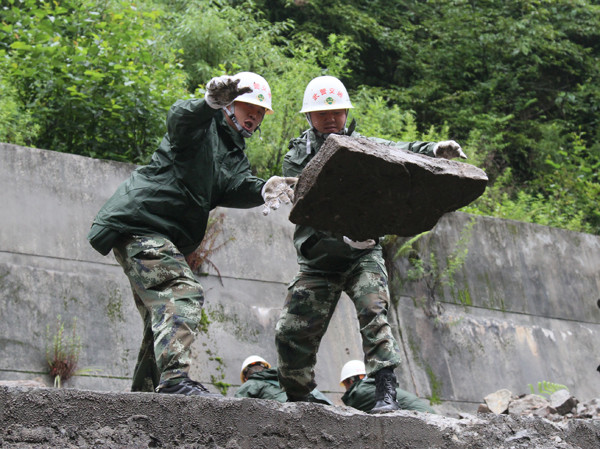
328, 122
347, 383
249, 116
254, 368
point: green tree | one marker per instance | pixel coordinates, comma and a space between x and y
96, 74
17, 124
513, 81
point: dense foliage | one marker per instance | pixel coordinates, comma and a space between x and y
516, 82
95, 76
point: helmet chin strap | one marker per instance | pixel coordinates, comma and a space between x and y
343, 131
307, 115
243, 131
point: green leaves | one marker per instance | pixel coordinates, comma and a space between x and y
516, 82
90, 73
545, 387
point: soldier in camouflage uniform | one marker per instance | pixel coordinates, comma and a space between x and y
160, 214
331, 264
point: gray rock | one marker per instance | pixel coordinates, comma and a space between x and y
589, 409
33, 383
545, 412
483, 408
364, 190
527, 404
563, 402
498, 402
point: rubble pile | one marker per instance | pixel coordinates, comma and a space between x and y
50, 418
560, 405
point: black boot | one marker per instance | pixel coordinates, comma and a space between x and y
308, 398
186, 387
385, 392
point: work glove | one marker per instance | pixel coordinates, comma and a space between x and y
366, 244
448, 149
277, 190
222, 90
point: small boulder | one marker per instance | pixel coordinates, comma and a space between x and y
498, 402
563, 402
527, 404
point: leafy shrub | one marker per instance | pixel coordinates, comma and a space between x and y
96, 75
62, 354
200, 258
564, 194
17, 124
547, 388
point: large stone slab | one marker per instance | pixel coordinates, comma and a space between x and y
364, 189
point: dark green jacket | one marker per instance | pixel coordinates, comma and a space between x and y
322, 251
199, 165
265, 385
361, 395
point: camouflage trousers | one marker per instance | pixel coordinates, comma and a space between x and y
308, 308
169, 299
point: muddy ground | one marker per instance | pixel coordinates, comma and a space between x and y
68, 418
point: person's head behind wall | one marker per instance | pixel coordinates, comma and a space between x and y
253, 364
247, 111
326, 103
352, 371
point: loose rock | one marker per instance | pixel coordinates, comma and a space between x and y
364, 190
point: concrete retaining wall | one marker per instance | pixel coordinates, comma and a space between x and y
522, 309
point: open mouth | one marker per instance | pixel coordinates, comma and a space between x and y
248, 124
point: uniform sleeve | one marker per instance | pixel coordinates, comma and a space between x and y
187, 121
317, 394
247, 390
361, 396
245, 193
408, 401
425, 148
290, 168
296, 159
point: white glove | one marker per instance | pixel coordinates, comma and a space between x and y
366, 244
448, 149
222, 90
277, 190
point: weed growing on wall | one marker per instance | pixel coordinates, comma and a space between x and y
546, 388
203, 323
209, 246
427, 270
436, 387
218, 380
62, 351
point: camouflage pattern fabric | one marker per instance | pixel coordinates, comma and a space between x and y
308, 308
169, 300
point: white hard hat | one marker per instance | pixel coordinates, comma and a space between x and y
352, 368
325, 93
250, 361
261, 92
